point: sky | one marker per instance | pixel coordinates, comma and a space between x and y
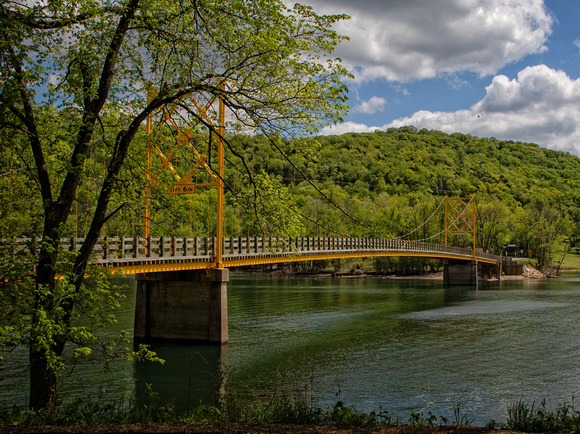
507, 69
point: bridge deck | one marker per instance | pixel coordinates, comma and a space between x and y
155, 254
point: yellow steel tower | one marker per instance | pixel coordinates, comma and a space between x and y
183, 185
460, 217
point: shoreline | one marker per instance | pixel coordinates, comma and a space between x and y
427, 276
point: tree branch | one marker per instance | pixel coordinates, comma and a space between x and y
49, 23
29, 121
93, 106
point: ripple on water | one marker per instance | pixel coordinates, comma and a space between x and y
488, 307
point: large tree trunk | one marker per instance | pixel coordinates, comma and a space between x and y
43, 378
42, 381
51, 318
43, 354
43, 342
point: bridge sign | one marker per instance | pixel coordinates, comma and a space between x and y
182, 189
186, 188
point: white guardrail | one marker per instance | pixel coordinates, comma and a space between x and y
119, 251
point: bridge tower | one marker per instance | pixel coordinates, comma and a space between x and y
186, 305
460, 221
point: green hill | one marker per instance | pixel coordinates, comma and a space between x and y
392, 181
404, 160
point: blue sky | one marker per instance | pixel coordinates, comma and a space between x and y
492, 68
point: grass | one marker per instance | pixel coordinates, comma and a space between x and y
92, 412
297, 410
301, 410
82, 413
571, 262
531, 418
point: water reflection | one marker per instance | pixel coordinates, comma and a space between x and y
191, 375
482, 307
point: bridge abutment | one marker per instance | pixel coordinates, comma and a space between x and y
490, 271
187, 306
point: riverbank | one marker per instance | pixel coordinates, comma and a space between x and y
529, 273
360, 275
250, 428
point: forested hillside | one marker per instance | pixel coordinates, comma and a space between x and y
382, 184
404, 160
392, 181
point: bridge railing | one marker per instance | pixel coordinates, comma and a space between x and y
116, 251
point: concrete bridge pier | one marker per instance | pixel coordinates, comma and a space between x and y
186, 306
460, 272
469, 272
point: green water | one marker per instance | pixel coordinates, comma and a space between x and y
399, 345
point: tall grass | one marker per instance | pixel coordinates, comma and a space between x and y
290, 403
87, 413
302, 409
297, 410
531, 418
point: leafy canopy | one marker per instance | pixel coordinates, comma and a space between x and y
76, 76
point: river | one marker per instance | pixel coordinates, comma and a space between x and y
381, 344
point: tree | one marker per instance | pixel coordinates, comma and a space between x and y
493, 225
66, 67
543, 224
274, 201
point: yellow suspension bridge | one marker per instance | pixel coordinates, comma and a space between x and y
182, 281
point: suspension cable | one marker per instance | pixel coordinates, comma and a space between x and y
286, 157
354, 219
451, 225
425, 222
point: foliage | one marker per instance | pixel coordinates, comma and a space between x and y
276, 215
459, 417
494, 225
521, 416
94, 412
418, 419
280, 409
543, 225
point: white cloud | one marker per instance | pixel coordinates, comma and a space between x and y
404, 40
373, 105
347, 127
541, 106
400, 89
